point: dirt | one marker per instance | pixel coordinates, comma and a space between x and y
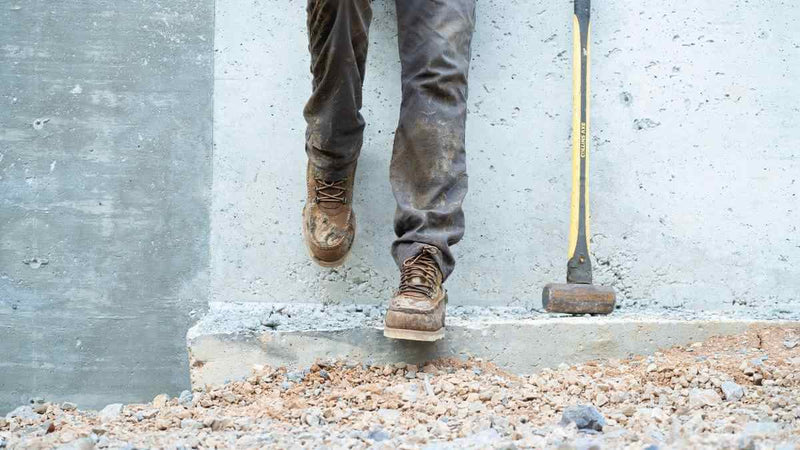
672, 399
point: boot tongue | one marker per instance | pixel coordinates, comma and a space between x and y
417, 281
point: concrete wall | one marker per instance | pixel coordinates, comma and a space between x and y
105, 146
694, 156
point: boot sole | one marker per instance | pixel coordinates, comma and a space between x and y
327, 264
413, 335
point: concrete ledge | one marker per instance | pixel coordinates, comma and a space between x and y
232, 338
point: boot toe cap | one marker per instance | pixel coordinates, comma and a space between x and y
326, 240
410, 314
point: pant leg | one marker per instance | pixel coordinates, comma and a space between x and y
337, 40
428, 169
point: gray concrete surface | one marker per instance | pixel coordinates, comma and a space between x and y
105, 145
110, 237
232, 338
694, 156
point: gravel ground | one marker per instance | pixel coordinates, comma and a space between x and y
733, 392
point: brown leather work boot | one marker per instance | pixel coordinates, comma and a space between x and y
329, 224
416, 312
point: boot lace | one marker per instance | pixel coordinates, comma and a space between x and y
331, 191
419, 274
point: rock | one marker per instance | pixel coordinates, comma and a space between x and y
475, 407
243, 423
488, 438
221, 424
428, 387
378, 435
388, 416
294, 376
656, 434
747, 443
24, 412
312, 419
160, 400
40, 408
48, 427
618, 397
585, 417
629, 410
191, 423
110, 412
148, 413
699, 398
186, 398
790, 344
732, 391
163, 424
410, 394
499, 398
761, 429
502, 425
324, 374
446, 386
84, 443
68, 406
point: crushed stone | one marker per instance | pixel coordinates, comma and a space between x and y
683, 397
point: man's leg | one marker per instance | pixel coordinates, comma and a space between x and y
428, 170
338, 36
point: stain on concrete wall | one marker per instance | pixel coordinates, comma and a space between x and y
105, 146
693, 164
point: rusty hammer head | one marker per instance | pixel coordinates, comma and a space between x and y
576, 298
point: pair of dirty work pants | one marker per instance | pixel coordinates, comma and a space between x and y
428, 168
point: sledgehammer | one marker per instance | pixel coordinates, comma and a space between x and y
579, 295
